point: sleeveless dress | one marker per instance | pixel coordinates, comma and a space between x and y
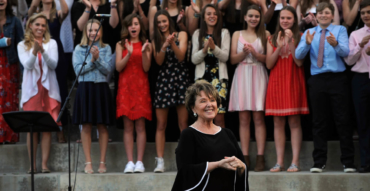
248, 90
211, 75
133, 97
9, 89
41, 101
172, 81
62, 68
286, 90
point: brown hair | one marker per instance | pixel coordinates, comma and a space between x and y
159, 38
260, 29
85, 39
126, 34
28, 35
323, 5
203, 26
8, 8
364, 4
294, 29
194, 90
230, 10
306, 4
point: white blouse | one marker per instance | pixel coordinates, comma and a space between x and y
31, 73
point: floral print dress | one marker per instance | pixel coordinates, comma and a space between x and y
172, 81
211, 75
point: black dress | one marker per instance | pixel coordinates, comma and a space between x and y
237, 25
172, 81
195, 150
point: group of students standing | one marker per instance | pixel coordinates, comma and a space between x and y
253, 36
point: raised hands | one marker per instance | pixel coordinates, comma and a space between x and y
136, 5
180, 16
128, 47
368, 51
170, 39
206, 46
288, 35
310, 18
331, 40
37, 47
364, 41
146, 47
280, 40
195, 7
95, 53
211, 43
87, 3
309, 37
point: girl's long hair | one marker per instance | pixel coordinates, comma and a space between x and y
260, 28
230, 11
306, 4
126, 34
8, 8
85, 38
159, 38
28, 35
53, 10
203, 26
294, 29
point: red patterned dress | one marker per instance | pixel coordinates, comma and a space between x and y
286, 90
9, 89
133, 96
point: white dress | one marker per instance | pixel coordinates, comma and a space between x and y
248, 90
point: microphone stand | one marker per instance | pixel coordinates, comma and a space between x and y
67, 103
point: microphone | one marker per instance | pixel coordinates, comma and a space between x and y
103, 15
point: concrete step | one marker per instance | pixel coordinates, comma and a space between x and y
261, 181
14, 157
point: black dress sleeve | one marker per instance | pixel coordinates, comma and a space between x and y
190, 175
76, 12
241, 182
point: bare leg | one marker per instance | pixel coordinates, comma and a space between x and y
35, 140
244, 130
160, 135
86, 144
103, 144
45, 149
260, 127
128, 137
279, 135
220, 120
140, 138
296, 136
182, 115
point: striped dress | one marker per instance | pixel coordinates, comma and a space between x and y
249, 85
286, 91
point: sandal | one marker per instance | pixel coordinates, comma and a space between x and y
101, 170
45, 171
277, 168
34, 171
293, 168
88, 171
78, 141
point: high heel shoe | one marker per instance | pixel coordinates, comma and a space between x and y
100, 170
88, 171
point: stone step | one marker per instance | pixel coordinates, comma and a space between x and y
14, 158
148, 181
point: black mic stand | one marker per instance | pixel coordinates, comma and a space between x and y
67, 102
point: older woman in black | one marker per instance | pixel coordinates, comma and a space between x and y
208, 157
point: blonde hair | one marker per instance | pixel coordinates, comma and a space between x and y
28, 35
102, 2
85, 39
53, 10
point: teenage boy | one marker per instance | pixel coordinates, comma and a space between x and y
359, 57
328, 86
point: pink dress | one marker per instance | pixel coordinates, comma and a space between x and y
249, 85
41, 101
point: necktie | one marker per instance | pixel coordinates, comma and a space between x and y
320, 58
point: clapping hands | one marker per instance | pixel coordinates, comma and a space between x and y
309, 37
331, 40
146, 47
95, 53
129, 47
37, 47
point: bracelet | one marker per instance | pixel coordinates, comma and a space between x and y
163, 50
196, 15
86, 11
113, 6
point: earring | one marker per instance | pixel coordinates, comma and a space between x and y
195, 114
